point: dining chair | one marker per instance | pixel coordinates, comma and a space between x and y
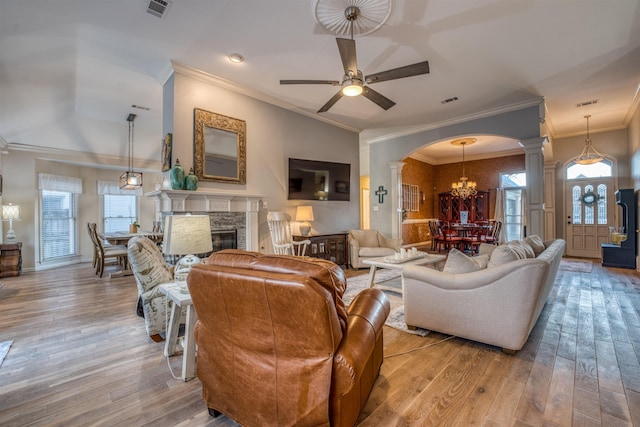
281, 236
493, 236
437, 239
450, 237
475, 236
104, 254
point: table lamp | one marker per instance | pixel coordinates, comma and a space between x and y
186, 235
304, 214
9, 213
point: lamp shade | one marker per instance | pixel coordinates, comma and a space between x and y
304, 213
10, 212
187, 234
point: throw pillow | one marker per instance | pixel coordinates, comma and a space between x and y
536, 243
502, 255
517, 248
457, 262
486, 249
527, 248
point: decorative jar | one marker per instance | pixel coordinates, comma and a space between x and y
191, 181
177, 176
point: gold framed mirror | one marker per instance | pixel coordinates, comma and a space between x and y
219, 148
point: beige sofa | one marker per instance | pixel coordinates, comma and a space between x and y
497, 305
367, 244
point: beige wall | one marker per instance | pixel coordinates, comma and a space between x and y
273, 136
20, 182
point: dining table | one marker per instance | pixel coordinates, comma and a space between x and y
122, 238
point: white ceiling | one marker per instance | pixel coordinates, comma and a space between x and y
71, 69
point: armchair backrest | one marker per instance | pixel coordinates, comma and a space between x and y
268, 328
147, 264
365, 238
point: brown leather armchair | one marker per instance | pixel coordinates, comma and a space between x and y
277, 346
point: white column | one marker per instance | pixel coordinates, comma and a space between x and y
534, 167
396, 199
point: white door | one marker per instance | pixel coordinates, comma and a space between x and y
589, 210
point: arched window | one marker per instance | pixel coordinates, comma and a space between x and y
603, 168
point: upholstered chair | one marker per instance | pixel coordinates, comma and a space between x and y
150, 270
276, 344
364, 244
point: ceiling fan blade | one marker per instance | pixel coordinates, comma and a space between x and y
384, 102
399, 73
330, 102
310, 82
347, 48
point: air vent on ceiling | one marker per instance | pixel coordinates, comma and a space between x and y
158, 7
584, 104
448, 100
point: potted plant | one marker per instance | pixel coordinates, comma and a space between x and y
133, 228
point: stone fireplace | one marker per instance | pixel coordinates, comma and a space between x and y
227, 211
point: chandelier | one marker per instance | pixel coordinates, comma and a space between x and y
589, 154
131, 180
463, 188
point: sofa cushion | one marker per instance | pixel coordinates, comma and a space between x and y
375, 252
458, 262
502, 255
536, 243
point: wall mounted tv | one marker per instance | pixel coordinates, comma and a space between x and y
317, 180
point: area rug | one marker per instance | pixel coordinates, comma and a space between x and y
4, 349
577, 265
390, 282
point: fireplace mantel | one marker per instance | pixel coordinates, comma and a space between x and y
179, 201
205, 201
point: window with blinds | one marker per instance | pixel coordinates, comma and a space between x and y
119, 212
58, 216
58, 224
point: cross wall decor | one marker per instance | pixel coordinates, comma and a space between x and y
381, 192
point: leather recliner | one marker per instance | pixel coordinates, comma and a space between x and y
276, 344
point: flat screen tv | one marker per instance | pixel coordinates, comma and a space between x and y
318, 180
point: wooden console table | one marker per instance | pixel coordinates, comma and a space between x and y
334, 247
10, 259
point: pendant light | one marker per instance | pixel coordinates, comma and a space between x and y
131, 180
589, 154
463, 188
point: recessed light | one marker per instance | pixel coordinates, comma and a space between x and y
236, 58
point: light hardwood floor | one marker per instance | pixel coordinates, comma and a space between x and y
81, 357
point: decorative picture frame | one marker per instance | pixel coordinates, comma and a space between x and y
167, 143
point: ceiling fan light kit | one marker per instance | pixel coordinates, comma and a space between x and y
354, 83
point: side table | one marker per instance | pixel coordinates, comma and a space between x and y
10, 259
179, 295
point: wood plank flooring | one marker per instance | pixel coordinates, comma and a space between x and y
81, 357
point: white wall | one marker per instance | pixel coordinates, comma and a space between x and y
273, 136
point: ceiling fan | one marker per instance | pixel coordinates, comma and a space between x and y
353, 82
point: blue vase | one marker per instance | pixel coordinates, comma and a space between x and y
177, 176
191, 181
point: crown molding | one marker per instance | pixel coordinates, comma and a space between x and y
437, 125
87, 159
